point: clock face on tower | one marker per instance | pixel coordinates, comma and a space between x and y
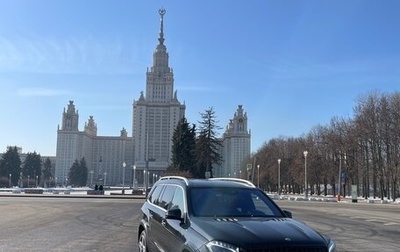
240, 120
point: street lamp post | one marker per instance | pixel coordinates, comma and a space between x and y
123, 177
147, 180
144, 179
305, 174
279, 176
37, 178
28, 180
9, 179
339, 178
340, 175
258, 176
91, 177
134, 177
99, 171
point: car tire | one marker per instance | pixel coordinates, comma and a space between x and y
142, 242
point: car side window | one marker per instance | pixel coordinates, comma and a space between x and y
178, 200
155, 195
166, 197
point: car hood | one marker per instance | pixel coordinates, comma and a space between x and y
255, 232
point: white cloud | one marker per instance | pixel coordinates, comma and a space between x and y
40, 92
84, 55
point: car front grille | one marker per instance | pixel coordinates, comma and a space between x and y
290, 249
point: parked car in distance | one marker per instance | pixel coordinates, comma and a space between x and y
220, 215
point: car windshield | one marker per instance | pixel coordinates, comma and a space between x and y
231, 202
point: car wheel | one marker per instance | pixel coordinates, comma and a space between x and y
142, 243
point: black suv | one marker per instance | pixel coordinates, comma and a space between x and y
220, 215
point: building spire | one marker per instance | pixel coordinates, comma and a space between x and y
162, 13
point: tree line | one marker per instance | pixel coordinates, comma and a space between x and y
35, 172
31, 172
362, 150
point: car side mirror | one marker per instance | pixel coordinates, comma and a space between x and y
287, 213
174, 214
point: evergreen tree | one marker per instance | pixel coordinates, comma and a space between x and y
78, 173
32, 166
83, 172
183, 148
207, 144
10, 163
46, 169
73, 174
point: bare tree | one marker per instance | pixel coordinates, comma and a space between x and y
364, 148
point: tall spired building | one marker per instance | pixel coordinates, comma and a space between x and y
157, 112
121, 159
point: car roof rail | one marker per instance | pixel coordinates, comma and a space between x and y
235, 180
176, 177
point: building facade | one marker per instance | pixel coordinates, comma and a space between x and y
157, 112
236, 142
116, 160
111, 159
104, 155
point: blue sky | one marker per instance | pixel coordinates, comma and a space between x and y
292, 64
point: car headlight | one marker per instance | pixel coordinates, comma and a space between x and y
218, 246
331, 246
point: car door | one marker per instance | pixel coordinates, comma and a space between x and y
159, 234
154, 211
174, 228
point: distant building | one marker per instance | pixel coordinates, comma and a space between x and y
103, 155
155, 116
235, 146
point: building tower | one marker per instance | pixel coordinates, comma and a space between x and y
68, 143
104, 155
157, 112
236, 146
